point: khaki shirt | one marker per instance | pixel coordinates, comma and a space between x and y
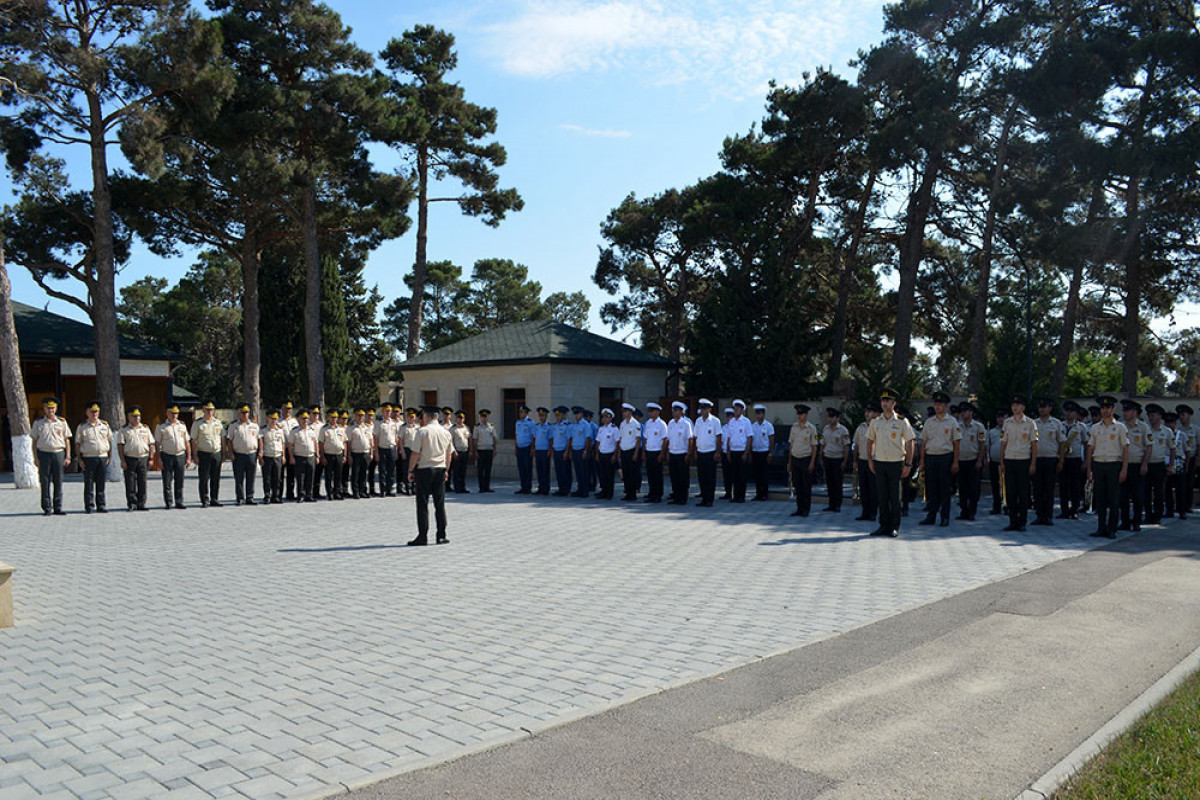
207, 435
836, 440
408, 435
1108, 442
460, 435
802, 439
432, 446
1138, 432
485, 436
1161, 442
289, 424
171, 438
136, 441
273, 441
303, 441
891, 437
243, 437
1051, 434
1018, 438
974, 439
51, 437
386, 433
333, 441
994, 438
860, 440
1077, 439
939, 435
94, 440
362, 438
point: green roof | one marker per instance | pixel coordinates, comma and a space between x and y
534, 342
43, 333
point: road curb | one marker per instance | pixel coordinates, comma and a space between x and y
1045, 786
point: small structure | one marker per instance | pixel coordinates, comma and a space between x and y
537, 364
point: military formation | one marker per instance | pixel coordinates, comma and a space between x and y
1127, 471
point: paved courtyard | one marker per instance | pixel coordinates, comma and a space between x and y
295, 651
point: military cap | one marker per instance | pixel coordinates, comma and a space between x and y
682, 406
1154, 408
302, 415
561, 410
244, 407
208, 404
543, 410
637, 413
135, 410
729, 412
1184, 408
588, 413
801, 408
1106, 400
833, 412
1045, 402
628, 407
460, 413
485, 412
704, 401
577, 409
1017, 399
1071, 405
273, 414
94, 405
49, 402
888, 394
1131, 405
287, 404
524, 408
967, 405
344, 415
759, 407
941, 397
314, 409
737, 403
411, 410
606, 412
386, 406
1093, 409
358, 411
651, 406
954, 408
173, 408
1170, 416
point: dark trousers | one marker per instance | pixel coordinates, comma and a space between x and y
706, 475
135, 481
867, 491
1174, 495
483, 468
360, 463
525, 467
245, 465
994, 480
305, 474
95, 476
335, 486
318, 471
562, 471
172, 478
458, 471
1156, 491
606, 475
273, 479
629, 473
834, 474
637, 474
737, 465
968, 487
1106, 494
1132, 496
654, 475
681, 477
937, 485
1016, 486
887, 478
50, 473
289, 479
542, 459
727, 473
802, 484
1187, 485
759, 461
387, 470
1043, 488
1070, 486
583, 475
431, 482
209, 465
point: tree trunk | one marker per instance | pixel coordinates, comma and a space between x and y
848, 263
312, 299
104, 292
417, 303
251, 348
1132, 259
983, 281
1066, 339
24, 474
911, 251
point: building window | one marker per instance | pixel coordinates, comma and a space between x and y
513, 400
611, 397
429, 397
466, 402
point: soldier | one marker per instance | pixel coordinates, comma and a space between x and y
242, 448
94, 444
941, 438
542, 436
51, 451
681, 443
629, 442
1160, 444
1051, 438
637, 461
387, 436
654, 451
207, 444
835, 457
171, 439
289, 424
523, 433
332, 456
972, 452
890, 459
707, 431
1133, 488
867, 491
1174, 463
726, 471
483, 447
995, 446
803, 440
428, 472
593, 478
304, 444
135, 448
447, 417
314, 422
560, 442
1190, 435
740, 440
460, 443
1018, 453
1070, 484
341, 418
579, 450
361, 438
408, 438
762, 444
1106, 463
605, 447
270, 457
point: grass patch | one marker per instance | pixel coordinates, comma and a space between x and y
1157, 759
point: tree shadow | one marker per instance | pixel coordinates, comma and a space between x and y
343, 549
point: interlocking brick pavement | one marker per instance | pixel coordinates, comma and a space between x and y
292, 650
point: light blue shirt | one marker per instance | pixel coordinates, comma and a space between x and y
581, 434
524, 432
541, 435
561, 432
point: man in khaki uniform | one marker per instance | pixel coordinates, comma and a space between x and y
835, 457
362, 450
890, 459
427, 471
460, 442
1133, 488
408, 440
941, 437
972, 453
271, 456
94, 443
51, 451
242, 448
1018, 452
867, 491
802, 459
171, 440
208, 446
387, 435
135, 447
333, 456
1106, 462
289, 423
303, 446
483, 445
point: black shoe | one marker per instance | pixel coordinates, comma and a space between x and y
945, 523
727, 496
58, 512
251, 503
418, 542
705, 504
142, 508
863, 518
239, 502
521, 491
796, 513
1039, 522
759, 499
181, 506
46, 513
101, 510
561, 494
738, 500
87, 511
214, 504
1011, 527
927, 521
443, 540
1125, 526
1020, 529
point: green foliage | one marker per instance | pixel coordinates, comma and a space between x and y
569, 307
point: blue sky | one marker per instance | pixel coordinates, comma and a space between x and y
596, 99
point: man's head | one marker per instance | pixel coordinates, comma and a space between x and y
543, 413
209, 408
705, 407
1017, 404
739, 408
1106, 405
654, 410
1131, 409
486, 414
1154, 412
760, 412
678, 408
887, 401
244, 412
134, 415
941, 401
834, 416
801, 413
93, 411
273, 418
627, 411
522, 411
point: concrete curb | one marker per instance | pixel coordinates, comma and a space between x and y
1045, 787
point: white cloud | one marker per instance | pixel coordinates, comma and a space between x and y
607, 134
736, 47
